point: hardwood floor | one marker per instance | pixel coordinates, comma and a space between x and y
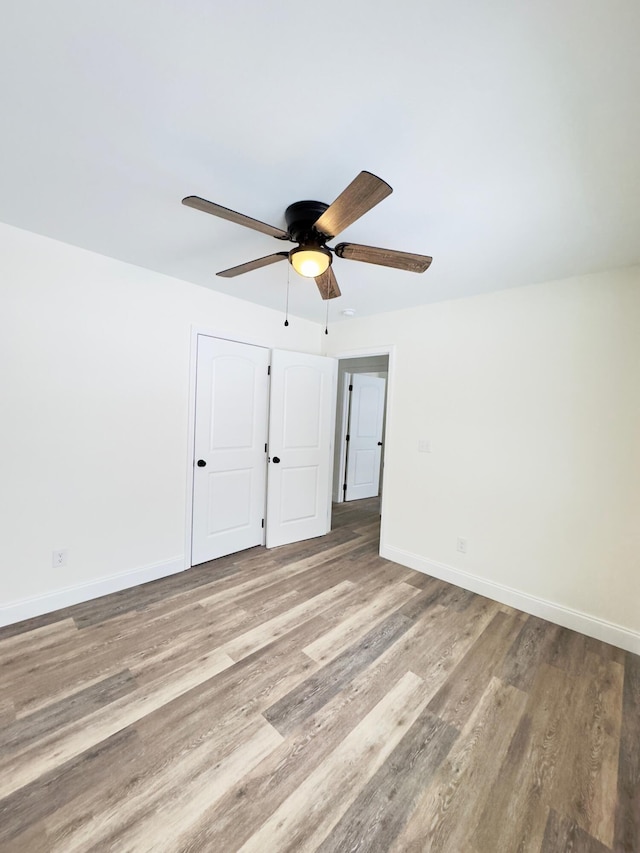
314, 697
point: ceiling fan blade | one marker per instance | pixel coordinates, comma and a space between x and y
253, 265
327, 285
383, 257
224, 213
363, 193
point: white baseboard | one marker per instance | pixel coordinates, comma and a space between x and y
592, 626
27, 608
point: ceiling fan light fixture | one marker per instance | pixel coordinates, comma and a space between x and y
310, 261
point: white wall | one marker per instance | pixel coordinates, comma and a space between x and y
94, 383
531, 399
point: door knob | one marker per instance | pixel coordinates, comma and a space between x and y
201, 463
276, 459
379, 444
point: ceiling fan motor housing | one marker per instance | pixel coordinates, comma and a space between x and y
301, 217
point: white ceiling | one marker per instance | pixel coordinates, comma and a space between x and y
510, 133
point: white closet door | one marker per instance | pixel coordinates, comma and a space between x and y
365, 437
301, 430
229, 479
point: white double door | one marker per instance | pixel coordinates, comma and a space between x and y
263, 447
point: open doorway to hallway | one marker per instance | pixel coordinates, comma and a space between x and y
360, 433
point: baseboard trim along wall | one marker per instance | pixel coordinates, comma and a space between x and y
608, 632
27, 608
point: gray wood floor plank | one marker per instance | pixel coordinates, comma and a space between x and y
627, 824
584, 787
23, 732
522, 792
100, 610
459, 695
452, 801
32, 840
529, 648
316, 691
295, 827
563, 836
378, 814
32, 803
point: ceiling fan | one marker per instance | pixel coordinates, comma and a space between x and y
311, 224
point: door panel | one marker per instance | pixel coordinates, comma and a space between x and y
365, 431
232, 391
299, 493
301, 428
233, 403
364, 467
302, 425
229, 500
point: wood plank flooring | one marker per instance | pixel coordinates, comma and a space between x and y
314, 697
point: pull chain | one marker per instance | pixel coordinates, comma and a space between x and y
286, 313
326, 319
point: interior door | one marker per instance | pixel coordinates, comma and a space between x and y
229, 475
364, 449
301, 432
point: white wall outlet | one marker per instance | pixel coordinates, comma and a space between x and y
462, 545
424, 445
59, 558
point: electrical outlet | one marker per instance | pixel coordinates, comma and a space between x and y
424, 445
59, 558
462, 545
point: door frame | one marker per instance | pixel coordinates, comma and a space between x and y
341, 439
224, 335
364, 352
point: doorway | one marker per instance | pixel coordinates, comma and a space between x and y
374, 366
364, 415
372, 418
